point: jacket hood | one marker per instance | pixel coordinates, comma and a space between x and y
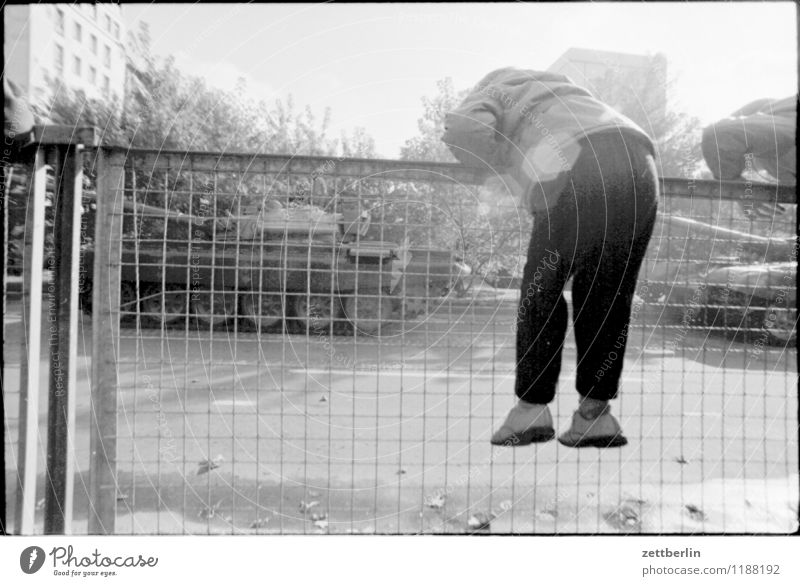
528, 124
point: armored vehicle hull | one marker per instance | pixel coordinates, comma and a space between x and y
309, 285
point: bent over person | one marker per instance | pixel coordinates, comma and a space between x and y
588, 176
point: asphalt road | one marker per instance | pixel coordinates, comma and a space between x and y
391, 434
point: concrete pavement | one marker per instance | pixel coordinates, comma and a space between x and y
391, 434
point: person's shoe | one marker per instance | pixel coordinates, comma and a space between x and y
602, 431
525, 424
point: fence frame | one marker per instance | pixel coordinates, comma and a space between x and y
423, 170
68, 161
111, 168
60, 147
105, 337
27, 451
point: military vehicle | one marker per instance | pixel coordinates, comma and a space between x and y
754, 302
724, 279
305, 268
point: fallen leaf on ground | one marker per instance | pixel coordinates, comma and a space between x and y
480, 521
204, 466
320, 520
624, 518
210, 512
259, 523
436, 501
506, 505
695, 513
305, 507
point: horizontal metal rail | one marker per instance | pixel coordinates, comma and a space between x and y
434, 172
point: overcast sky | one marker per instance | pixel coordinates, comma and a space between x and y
372, 63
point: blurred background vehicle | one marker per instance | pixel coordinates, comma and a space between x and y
723, 279
314, 268
752, 302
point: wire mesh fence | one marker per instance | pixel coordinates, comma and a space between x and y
317, 345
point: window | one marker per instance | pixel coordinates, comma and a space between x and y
94, 44
60, 21
76, 67
59, 59
94, 11
107, 57
106, 85
92, 75
108, 23
78, 32
116, 30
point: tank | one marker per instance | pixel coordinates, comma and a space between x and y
302, 269
430, 275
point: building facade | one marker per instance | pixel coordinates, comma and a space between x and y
586, 67
56, 47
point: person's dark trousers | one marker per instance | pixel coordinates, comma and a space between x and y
597, 233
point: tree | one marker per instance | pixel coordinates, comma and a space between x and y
642, 95
427, 145
164, 108
359, 144
488, 237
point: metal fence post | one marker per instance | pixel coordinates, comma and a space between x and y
105, 340
8, 173
27, 451
63, 341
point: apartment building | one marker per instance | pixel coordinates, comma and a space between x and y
51, 47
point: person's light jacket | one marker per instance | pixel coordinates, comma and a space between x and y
526, 126
760, 134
